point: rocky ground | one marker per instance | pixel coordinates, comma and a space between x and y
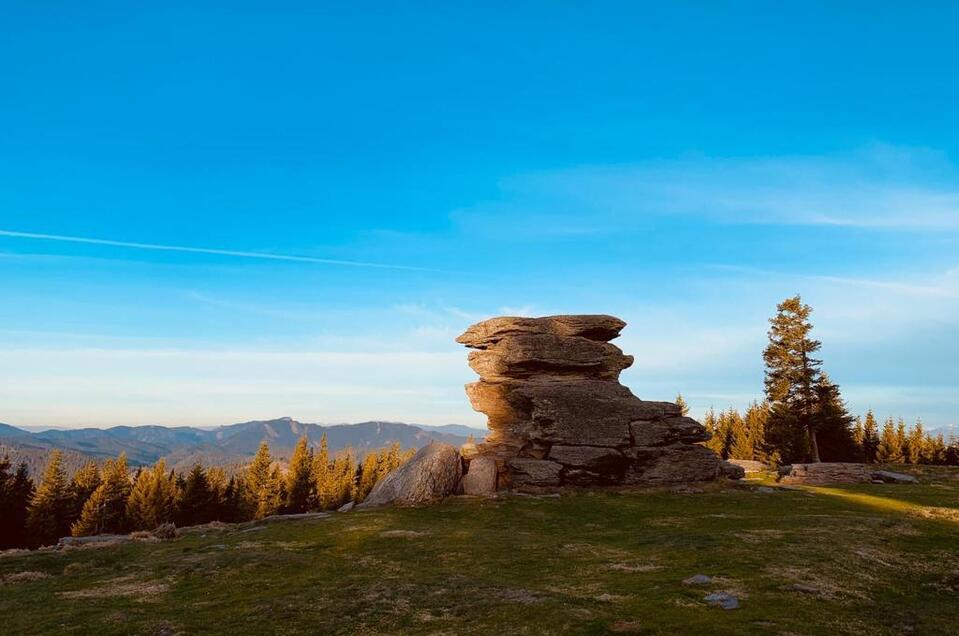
797, 559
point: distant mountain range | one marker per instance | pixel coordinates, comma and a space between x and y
947, 431
223, 446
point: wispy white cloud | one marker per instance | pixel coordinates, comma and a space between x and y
945, 286
879, 187
204, 250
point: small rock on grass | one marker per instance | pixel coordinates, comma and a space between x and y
698, 579
724, 600
889, 477
99, 538
805, 589
346, 507
765, 489
626, 627
165, 531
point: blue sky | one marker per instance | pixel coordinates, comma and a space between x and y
427, 165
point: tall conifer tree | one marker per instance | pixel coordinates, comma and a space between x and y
834, 424
237, 504
48, 517
952, 451
939, 450
322, 476
756, 420
792, 373
105, 511
344, 479
681, 403
915, 444
859, 436
16, 492
153, 498
368, 475
889, 450
217, 482
870, 438
390, 460
740, 446
902, 440
198, 502
299, 478
717, 439
83, 484
263, 483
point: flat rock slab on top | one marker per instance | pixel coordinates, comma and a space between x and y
592, 327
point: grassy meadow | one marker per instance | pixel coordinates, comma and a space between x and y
857, 559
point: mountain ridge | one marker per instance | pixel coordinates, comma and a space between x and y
224, 445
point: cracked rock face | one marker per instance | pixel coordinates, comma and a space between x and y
559, 416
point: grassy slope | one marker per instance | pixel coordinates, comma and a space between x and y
884, 562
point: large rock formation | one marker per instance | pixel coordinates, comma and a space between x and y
559, 416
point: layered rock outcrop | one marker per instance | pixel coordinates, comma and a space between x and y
559, 416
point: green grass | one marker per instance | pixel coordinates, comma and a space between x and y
884, 559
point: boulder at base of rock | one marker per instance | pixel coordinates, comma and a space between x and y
430, 475
481, 478
889, 477
732, 471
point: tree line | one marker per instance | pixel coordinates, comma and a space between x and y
804, 418
743, 435
110, 499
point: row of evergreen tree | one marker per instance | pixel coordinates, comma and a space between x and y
737, 435
111, 499
803, 416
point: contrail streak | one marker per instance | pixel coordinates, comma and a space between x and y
207, 250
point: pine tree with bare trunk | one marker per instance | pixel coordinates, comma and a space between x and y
792, 371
